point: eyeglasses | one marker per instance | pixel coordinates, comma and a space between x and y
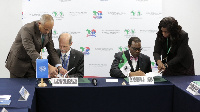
136, 49
46, 29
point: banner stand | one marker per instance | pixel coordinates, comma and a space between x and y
42, 83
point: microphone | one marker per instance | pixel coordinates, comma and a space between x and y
94, 81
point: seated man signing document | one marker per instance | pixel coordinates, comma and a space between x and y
71, 59
131, 62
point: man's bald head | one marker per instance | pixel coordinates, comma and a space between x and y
65, 37
65, 41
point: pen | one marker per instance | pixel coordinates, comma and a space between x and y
69, 71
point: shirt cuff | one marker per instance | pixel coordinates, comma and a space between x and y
57, 65
128, 73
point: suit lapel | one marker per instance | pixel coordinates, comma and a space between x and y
58, 52
38, 34
140, 63
128, 58
46, 39
71, 59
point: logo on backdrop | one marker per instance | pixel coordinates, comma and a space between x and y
54, 33
154, 67
85, 50
123, 48
91, 33
97, 14
58, 15
136, 13
129, 33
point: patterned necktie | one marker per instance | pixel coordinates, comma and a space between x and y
64, 61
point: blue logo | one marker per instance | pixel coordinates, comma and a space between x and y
85, 50
97, 14
91, 33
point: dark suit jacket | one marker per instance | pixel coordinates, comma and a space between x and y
76, 60
180, 54
26, 49
143, 63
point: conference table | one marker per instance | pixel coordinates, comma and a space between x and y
184, 101
12, 86
106, 97
162, 96
15, 109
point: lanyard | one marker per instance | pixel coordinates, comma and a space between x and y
63, 62
167, 47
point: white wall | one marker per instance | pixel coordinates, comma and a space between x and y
188, 15
10, 23
185, 11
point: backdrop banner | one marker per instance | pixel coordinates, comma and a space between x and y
99, 28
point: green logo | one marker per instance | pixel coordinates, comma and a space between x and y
89, 31
54, 32
133, 13
136, 13
55, 14
95, 12
128, 31
152, 63
82, 48
58, 14
123, 48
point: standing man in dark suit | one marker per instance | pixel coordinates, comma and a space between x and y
71, 59
32, 37
139, 63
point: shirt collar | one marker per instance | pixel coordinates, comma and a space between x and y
66, 53
136, 59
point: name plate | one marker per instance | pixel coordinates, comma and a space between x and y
64, 81
4, 110
194, 87
24, 94
141, 80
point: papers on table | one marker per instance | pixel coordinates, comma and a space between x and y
153, 74
111, 80
5, 99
